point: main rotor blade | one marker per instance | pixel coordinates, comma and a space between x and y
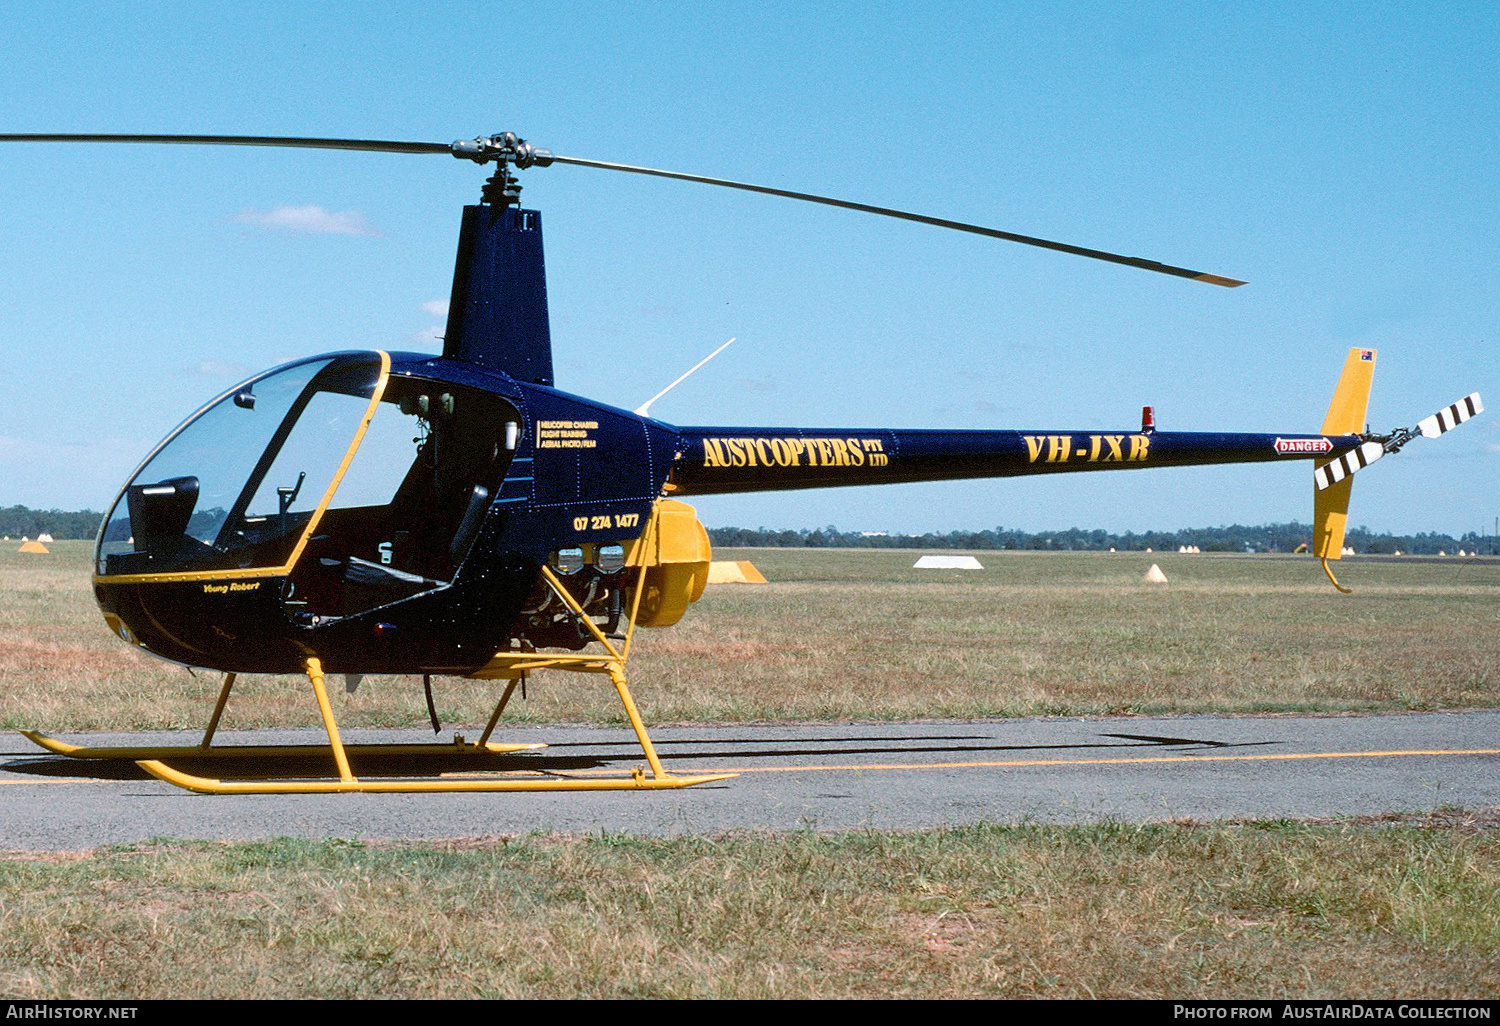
939, 222
506, 147
294, 142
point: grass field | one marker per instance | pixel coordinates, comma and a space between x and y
859, 634
1267, 910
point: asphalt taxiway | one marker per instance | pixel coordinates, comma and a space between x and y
808, 776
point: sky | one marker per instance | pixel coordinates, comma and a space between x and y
1340, 157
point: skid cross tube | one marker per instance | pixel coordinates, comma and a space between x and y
505, 664
205, 749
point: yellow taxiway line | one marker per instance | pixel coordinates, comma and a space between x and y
1138, 760
989, 763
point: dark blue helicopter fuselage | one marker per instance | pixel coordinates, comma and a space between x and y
444, 571
587, 474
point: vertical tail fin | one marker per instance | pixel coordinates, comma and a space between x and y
1346, 416
1346, 413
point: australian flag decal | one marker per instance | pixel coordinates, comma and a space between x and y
1367, 355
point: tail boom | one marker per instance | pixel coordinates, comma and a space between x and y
716, 460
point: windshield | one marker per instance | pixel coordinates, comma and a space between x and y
241, 483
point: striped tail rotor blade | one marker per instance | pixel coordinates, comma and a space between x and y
1335, 470
1446, 420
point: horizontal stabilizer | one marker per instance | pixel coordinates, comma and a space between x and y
1335, 471
1450, 418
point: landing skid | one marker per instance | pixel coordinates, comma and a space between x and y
168, 752
205, 785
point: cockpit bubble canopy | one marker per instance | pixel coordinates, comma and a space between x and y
242, 481
331, 462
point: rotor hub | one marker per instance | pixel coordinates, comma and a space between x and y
505, 148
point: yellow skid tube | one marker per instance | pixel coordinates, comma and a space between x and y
206, 785
136, 754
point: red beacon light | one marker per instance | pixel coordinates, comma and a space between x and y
1148, 420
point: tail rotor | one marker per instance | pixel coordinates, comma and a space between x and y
1355, 460
1332, 478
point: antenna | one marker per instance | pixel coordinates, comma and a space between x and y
641, 409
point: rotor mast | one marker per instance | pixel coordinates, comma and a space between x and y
497, 313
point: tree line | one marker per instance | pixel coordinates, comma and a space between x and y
18, 521
21, 522
1234, 538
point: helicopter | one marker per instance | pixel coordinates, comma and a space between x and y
402, 513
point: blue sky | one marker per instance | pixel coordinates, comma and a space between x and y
1342, 158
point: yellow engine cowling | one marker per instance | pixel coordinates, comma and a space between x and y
676, 554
